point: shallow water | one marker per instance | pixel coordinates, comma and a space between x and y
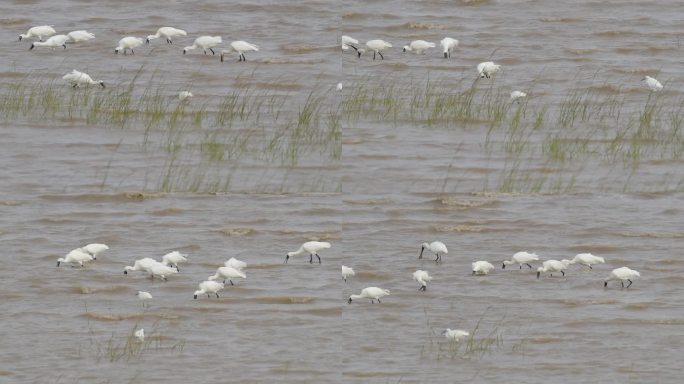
486, 190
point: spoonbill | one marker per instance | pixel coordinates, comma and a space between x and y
77, 79
448, 44
436, 247
94, 249
487, 68
166, 32
235, 263
79, 36
75, 256
161, 271
140, 334
372, 293
53, 42
652, 84
377, 46
552, 266
174, 258
587, 259
346, 272
143, 264
204, 42
515, 95
418, 46
39, 32
422, 277
183, 95
128, 42
145, 297
482, 267
228, 273
339, 87
310, 247
209, 287
622, 274
240, 47
455, 334
349, 42
521, 258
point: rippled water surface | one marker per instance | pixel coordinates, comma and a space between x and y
267, 155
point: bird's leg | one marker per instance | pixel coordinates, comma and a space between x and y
205, 51
319, 258
590, 267
212, 51
231, 282
224, 281
563, 272
623, 284
520, 266
310, 258
208, 296
373, 55
379, 301
217, 296
528, 264
169, 41
381, 56
177, 269
75, 85
372, 301
132, 51
630, 283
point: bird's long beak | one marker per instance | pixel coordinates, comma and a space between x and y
349, 301
19, 38
358, 53
31, 47
147, 41
503, 266
356, 49
538, 273
421, 252
222, 57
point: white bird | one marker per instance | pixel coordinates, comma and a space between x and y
144, 297
168, 33
76, 256
349, 42
235, 263
487, 68
448, 44
587, 259
140, 334
372, 293
228, 273
422, 277
482, 267
128, 42
77, 79
79, 36
418, 46
521, 258
377, 46
204, 42
455, 334
94, 249
339, 86
310, 247
622, 274
183, 95
53, 42
209, 287
515, 95
174, 258
346, 272
552, 266
161, 271
652, 84
143, 264
39, 32
436, 247
240, 47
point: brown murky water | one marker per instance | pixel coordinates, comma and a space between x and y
599, 173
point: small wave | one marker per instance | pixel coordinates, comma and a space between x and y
458, 228
595, 248
369, 201
636, 71
353, 141
544, 340
329, 311
234, 232
580, 51
615, 33
655, 235
475, 2
13, 21
425, 26
370, 275
638, 306
559, 20
90, 290
285, 300
104, 197
126, 316
301, 48
583, 302
168, 211
607, 88
283, 60
465, 204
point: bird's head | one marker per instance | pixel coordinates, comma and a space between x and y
360, 51
32, 46
406, 48
21, 37
350, 300
185, 51
101, 84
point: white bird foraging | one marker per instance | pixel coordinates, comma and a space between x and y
552, 266
53, 42
77, 79
235, 263
436, 247
515, 95
143, 265
377, 46
128, 42
652, 84
168, 33
209, 287
204, 42
310, 247
349, 42
422, 277
79, 36
487, 68
622, 274
339, 87
346, 272
39, 32
482, 267
521, 258
140, 334
174, 258
161, 271
587, 259
455, 334
76, 256
228, 273
145, 297
94, 249
372, 293
419, 46
240, 47
448, 44
184, 95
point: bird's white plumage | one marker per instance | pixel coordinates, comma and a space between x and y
208, 287
372, 293
521, 258
419, 46
240, 47
144, 296
140, 334
167, 33
349, 42
515, 95
377, 46
448, 44
235, 263
144, 265
204, 42
128, 42
587, 259
94, 248
39, 32
79, 36
311, 248
436, 247
487, 68
455, 334
53, 42
183, 95
161, 271
339, 86
228, 273
174, 258
76, 256
652, 84
77, 79
623, 274
552, 266
346, 272
482, 267
422, 277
